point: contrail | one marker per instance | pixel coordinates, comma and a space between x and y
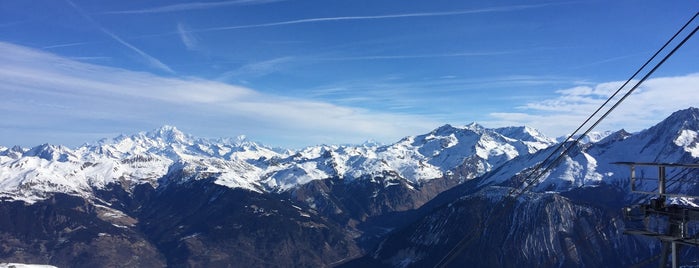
378, 17
150, 59
191, 6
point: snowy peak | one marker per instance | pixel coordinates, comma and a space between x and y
524, 133
371, 144
467, 151
173, 144
448, 129
444, 130
592, 137
511, 134
443, 137
455, 152
685, 125
615, 137
473, 126
690, 114
168, 134
674, 140
146, 157
52, 153
660, 141
687, 119
13, 153
160, 141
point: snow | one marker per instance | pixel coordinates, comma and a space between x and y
284, 179
167, 155
673, 140
190, 236
152, 157
126, 160
23, 265
592, 137
688, 140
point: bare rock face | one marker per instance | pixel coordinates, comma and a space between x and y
206, 225
199, 224
483, 229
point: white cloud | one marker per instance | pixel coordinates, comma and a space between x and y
188, 39
256, 69
59, 95
654, 100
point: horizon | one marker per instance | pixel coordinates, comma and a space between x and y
293, 74
243, 137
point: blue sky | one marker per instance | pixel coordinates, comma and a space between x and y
298, 72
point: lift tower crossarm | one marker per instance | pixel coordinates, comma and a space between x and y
677, 217
662, 180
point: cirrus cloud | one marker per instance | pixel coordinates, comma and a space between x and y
57, 95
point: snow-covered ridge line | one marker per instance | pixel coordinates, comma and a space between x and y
166, 155
24, 265
674, 140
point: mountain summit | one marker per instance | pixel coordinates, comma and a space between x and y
147, 157
571, 212
165, 198
167, 134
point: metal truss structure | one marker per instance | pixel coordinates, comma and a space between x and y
675, 225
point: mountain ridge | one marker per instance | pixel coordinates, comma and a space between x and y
169, 199
146, 156
574, 209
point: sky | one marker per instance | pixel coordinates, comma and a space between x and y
294, 73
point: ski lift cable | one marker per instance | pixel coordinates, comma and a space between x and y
622, 99
560, 157
563, 143
459, 246
655, 68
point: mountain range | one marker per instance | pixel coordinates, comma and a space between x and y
165, 198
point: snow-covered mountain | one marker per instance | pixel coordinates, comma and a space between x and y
165, 198
32, 174
674, 140
125, 160
592, 137
571, 216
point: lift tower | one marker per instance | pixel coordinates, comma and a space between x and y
670, 223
